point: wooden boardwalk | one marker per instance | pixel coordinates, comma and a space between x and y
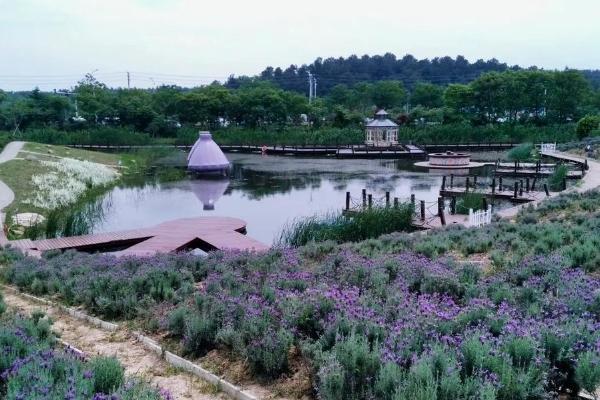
205, 233
524, 197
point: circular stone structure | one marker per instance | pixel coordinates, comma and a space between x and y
449, 160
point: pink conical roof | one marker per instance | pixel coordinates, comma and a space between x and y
206, 155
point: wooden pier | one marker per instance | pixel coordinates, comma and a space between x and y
205, 233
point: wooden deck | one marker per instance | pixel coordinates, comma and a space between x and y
527, 172
206, 233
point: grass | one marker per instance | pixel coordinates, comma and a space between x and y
341, 228
471, 200
523, 152
53, 151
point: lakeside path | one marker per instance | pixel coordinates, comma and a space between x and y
591, 180
7, 196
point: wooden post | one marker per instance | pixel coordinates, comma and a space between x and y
364, 198
387, 199
412, 200
500, 188
520, 187
546, 190
484, 203
564, 184
527, 185
515, 168
452, 179
347, 201
493, 185
475, 182
422, 210
516, 190
453, 205
443, 183
396, 203
370, 196
533, 184
441, 210
467, 185
585, 164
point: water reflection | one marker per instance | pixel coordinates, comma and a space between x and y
208, 191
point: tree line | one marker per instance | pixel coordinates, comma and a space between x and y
494, 98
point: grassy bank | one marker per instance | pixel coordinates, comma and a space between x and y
49, 180
505, 312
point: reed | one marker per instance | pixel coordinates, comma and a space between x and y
361, 225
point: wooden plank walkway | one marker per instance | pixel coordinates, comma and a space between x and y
526, 172
206, 233
525, 197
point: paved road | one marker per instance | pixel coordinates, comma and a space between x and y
6, 195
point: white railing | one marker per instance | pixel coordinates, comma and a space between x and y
480, 217
548, 147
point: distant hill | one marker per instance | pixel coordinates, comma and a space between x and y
333, 71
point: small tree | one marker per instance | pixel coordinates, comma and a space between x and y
587, 124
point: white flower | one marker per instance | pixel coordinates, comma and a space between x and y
67, 180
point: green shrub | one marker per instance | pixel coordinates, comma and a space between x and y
587, 125
388, 381
587, 372
523, 152
332, 378
177, 321
108, 374
268, 355
2, 305
200, 335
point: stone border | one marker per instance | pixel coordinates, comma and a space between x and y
179, 362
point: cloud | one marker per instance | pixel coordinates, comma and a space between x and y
217, 38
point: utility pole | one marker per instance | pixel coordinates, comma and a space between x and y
310, 87
315, 87
128, 80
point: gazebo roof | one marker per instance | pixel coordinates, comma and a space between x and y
381, 121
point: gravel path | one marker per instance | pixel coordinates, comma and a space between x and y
6, 195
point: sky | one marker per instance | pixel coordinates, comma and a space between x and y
53, 43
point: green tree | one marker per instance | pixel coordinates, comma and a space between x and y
587, 125
569, 89
427, 95
94, 99
388, 94
459, 97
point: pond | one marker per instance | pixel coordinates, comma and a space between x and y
265, 191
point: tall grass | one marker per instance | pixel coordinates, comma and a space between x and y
365, 224
472, 200
523, 152
555, 181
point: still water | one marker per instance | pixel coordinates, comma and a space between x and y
264, 191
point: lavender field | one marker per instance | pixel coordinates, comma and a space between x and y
510, 311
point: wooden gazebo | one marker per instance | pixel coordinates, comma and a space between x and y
381, 131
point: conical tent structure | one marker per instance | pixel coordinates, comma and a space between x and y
206, 156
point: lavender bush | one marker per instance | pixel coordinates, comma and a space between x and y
32, 368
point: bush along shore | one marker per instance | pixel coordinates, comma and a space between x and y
299, 135
32, 366
510, 311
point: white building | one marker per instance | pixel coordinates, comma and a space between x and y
381, 131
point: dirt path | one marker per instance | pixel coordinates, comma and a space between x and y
7, 196
136, 359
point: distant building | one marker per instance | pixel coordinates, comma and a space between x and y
381, 131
